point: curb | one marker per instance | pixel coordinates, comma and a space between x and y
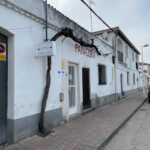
110, 137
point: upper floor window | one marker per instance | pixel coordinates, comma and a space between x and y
137, 58
102, 74
132, 55
126, 51
120, 50
133, 78
128, 78
137, 65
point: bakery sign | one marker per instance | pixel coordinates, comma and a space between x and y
2, 52
84, 51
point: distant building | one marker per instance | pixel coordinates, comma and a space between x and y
127, 58
146, 68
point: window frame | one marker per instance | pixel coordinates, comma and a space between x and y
133, 78
127, 52
132, 55
128, 78
105, 73
120, 56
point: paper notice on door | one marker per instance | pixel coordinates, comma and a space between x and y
62, 74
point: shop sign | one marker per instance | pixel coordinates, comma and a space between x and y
85, 51
46, 49
2, 52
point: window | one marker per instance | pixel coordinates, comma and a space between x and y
137, 66
133, 78
133, 56
137, 58
128, 78
120, 56
120, 50
126, 51
102, 74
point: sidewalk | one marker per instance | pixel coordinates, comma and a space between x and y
86, 132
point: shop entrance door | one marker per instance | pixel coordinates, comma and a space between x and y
73, 93
86, 88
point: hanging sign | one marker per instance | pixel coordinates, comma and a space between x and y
85, 51
2, 52
46, 49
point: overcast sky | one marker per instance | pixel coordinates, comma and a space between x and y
132, 16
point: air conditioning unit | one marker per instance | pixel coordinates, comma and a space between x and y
46, 49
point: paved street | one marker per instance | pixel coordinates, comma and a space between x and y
136, 133
89, 131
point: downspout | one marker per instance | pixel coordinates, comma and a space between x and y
115, 48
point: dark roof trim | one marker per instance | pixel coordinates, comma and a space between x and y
121, 34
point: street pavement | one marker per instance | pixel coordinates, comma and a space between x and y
86, 132
136, 133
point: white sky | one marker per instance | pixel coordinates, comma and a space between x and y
132, 16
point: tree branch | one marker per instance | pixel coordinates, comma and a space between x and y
67, 32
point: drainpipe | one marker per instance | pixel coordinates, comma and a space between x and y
115, 48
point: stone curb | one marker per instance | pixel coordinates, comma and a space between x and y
110, 137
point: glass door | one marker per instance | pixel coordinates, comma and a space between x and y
73, 104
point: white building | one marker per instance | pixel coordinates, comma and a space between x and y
146, 73
127, 58
80, 77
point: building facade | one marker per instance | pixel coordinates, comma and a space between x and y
81, 78
127, 61
145, 76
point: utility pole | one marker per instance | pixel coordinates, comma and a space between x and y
115, 47
46, 26
91, 2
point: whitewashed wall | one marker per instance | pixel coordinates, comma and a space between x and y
121, 69
30, 71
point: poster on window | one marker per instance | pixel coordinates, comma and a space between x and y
2, 52
62, 74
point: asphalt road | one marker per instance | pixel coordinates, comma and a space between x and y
135, 135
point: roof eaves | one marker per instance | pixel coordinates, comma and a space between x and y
117, 29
